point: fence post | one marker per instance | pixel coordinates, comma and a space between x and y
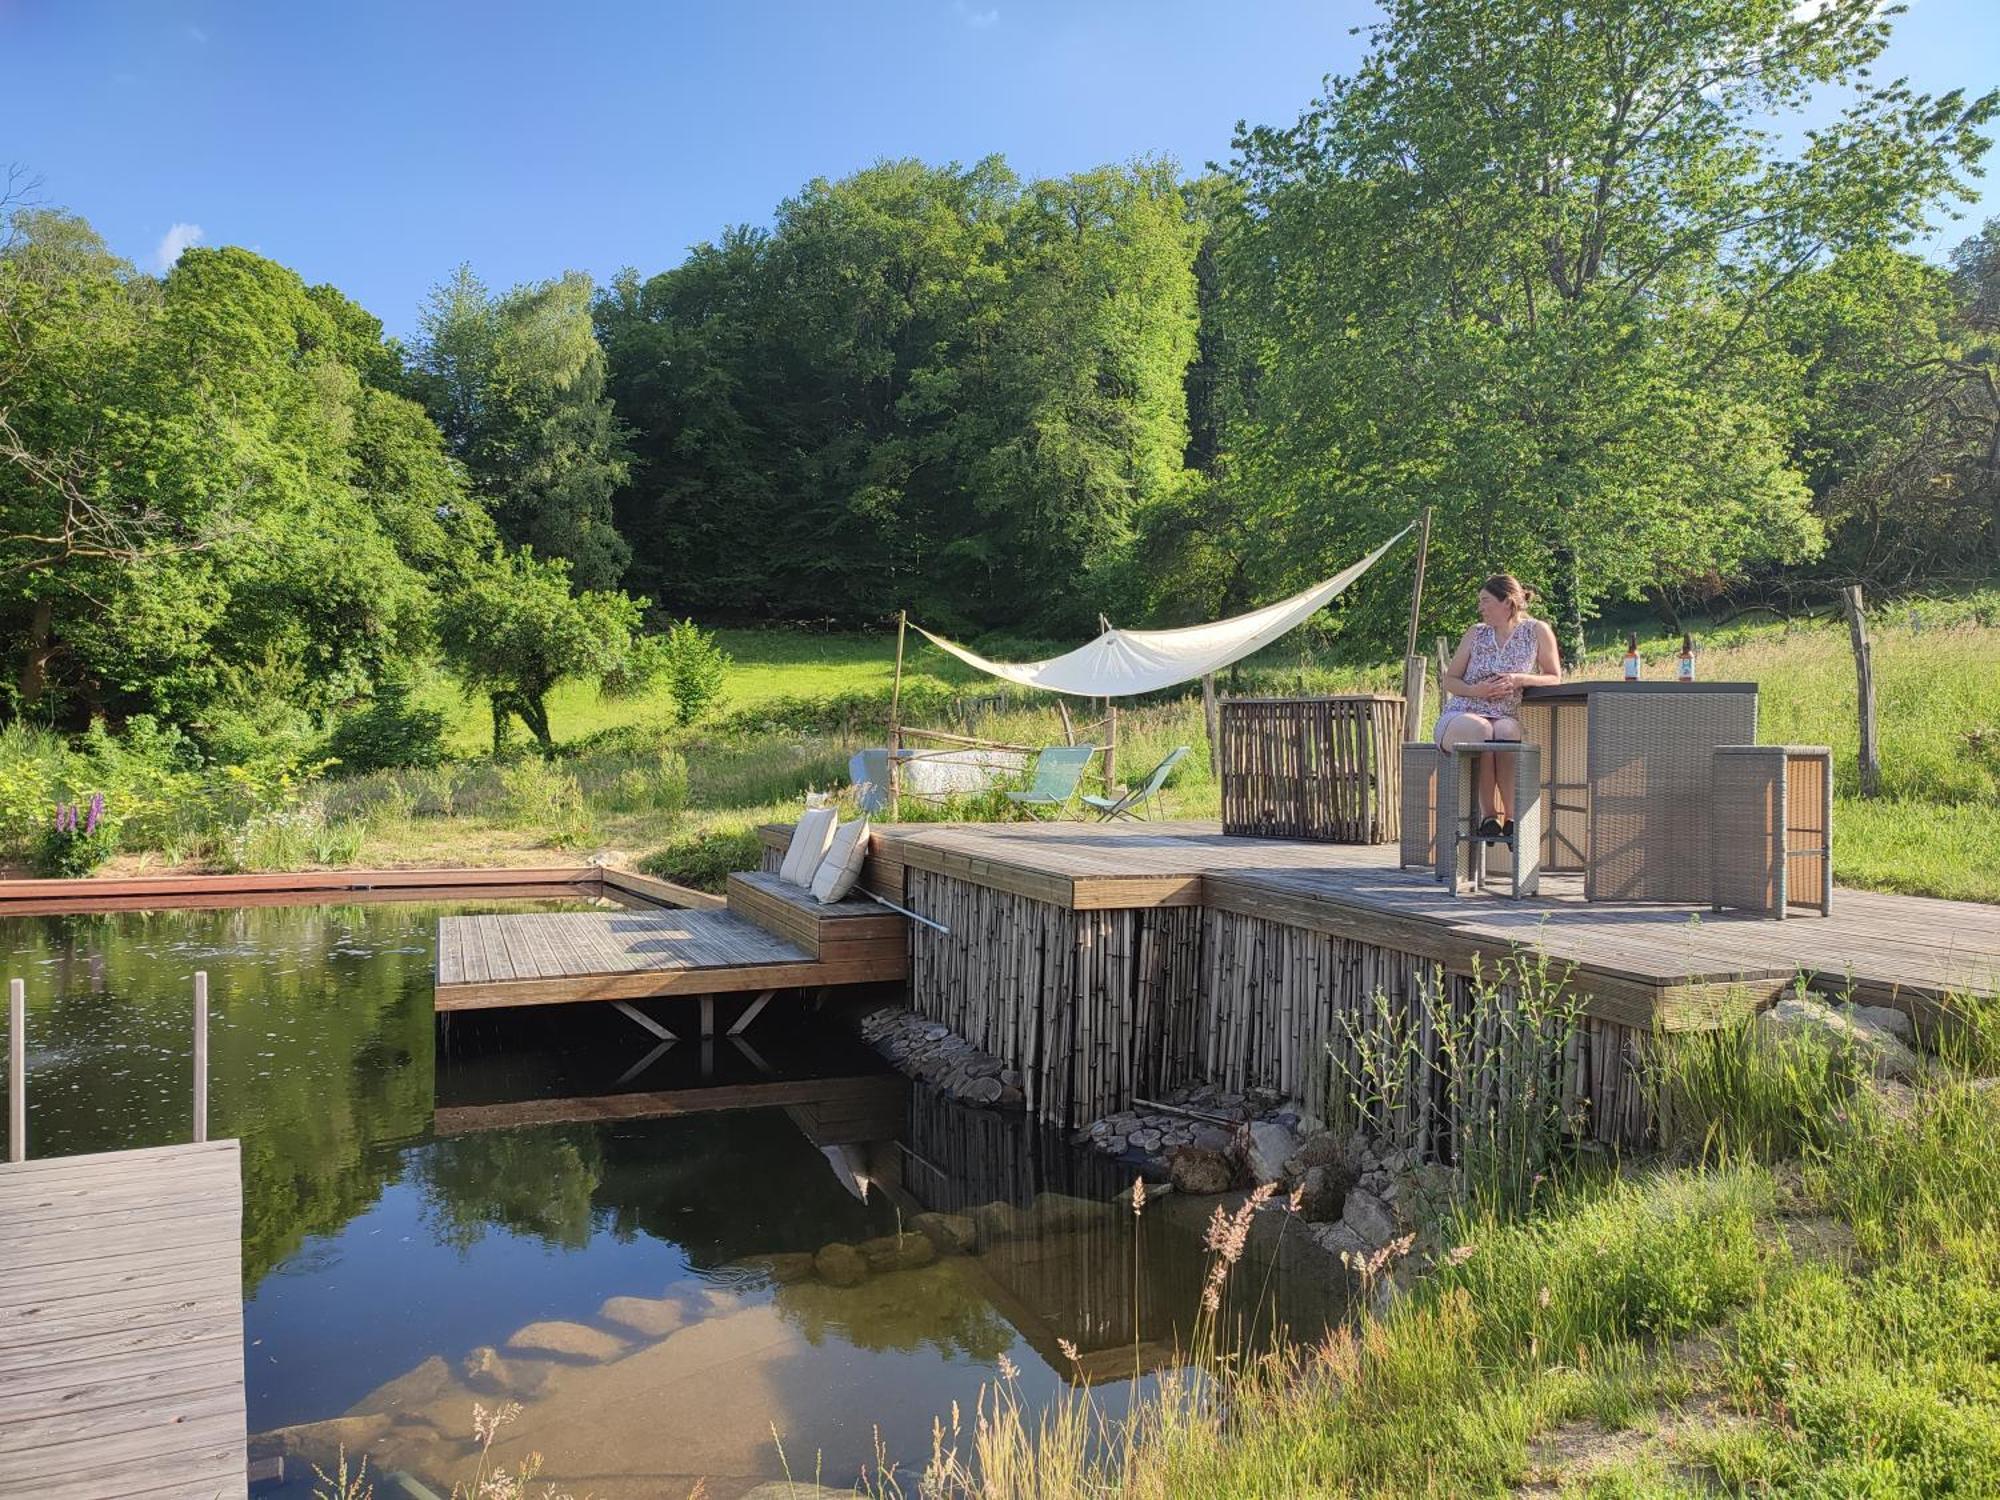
200, 1055
1864, 676
17, 1070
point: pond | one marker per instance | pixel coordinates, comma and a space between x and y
496, 1209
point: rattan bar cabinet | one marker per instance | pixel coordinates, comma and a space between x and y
1461, 854
1647, 752
1313, 768
1421, 769
1771, 836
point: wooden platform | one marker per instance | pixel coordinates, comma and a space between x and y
543, 958
121, 1325
1639, 961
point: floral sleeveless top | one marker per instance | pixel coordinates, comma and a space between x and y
1489, 659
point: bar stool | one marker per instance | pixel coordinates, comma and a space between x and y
1420, 804
1771, 827
1461, 852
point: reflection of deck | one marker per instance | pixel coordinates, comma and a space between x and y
121, 1324
1636, 960
832, 1110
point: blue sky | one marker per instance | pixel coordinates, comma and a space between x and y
376, 145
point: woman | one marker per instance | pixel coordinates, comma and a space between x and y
1506, 651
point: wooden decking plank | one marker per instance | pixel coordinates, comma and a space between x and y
121, 1324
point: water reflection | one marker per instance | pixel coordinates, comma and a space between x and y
662, 1255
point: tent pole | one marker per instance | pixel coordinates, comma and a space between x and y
1210, 714
1110, 761
896, 720
1413, 664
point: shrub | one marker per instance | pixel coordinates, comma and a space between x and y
539, 794
694, 667
291, 838
389, 734
706, 860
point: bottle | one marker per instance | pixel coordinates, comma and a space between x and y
1632, 658
1686, 668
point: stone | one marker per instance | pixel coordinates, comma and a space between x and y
1336, 1239
1801, 1022
997, 1223
983, 1091
1882, 1018
1323, 1191
1144, 1140
1271, 1145
898, 1252
1062, 1213
1369, 1217
410, 1390
566, 1341
789, 1267
1212, 1138
1321, 1150
1195, 1169
841, 1264
650, 1317
489, 1372
949, 1234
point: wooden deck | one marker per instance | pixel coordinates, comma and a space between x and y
1638, 960
121, 1325
544, 958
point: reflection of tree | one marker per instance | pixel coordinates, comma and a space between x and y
535, 1182
936, 1305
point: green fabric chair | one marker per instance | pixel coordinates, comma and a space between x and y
1058, 773
1137, 802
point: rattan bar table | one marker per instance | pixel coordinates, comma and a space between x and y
1646, 755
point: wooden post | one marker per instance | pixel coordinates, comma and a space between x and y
201, 1055
1413, 664
17, 1070
1211, 715
1110, 762
1864, 675
1069, 729
896, 719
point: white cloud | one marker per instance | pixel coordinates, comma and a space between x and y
978, 20
175, 240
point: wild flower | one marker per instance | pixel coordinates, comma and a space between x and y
1138, 1196
1069, 1351
1459, 1255
1008, 1369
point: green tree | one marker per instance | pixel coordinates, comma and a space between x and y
1527, 265
517, 385
513, 629
694, 667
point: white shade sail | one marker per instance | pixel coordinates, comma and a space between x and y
1120, 663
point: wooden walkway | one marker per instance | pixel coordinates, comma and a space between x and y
121, 1325
544, 958
1638, 960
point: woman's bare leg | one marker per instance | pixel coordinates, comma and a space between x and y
1470, 729
1498, 793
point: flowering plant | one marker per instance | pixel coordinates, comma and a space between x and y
78, 839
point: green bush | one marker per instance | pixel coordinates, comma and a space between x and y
539, 794
292, 838
706, 860
389, 734
694, 667
76, 841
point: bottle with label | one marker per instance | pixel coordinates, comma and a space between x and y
1631, 658
1685, 671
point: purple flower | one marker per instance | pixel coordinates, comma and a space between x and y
96, 812
65, 817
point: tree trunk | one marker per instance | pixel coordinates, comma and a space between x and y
534, 712
1566, 601
500, 712
33, 679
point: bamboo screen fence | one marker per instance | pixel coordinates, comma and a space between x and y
1313, 768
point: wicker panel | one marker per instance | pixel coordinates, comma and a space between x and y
1773, 825
1420, 803
1650, 759
1562, 731
1313, 768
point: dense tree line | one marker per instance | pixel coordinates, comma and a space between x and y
1547, 269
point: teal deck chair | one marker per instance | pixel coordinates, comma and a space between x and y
1058, 773
1138, 801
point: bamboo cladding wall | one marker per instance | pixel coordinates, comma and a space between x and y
1313, 768
1098, 1007
1093, 1007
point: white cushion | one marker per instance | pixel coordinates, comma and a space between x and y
810, 836
840, 871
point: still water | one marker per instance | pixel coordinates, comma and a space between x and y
442, 1214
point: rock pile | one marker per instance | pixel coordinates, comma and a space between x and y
933, 1053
